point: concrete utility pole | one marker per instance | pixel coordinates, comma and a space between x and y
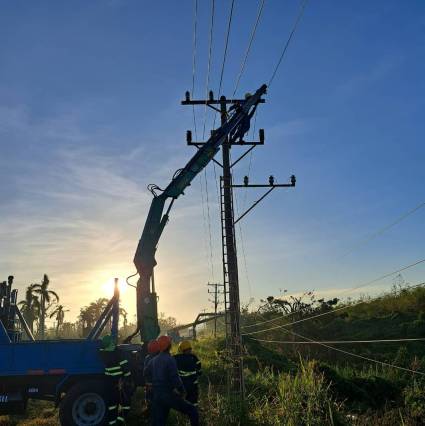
229, 251
216, 292
230, 265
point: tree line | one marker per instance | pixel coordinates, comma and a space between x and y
41, 303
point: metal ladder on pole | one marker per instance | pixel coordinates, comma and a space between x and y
233, 342
225, 265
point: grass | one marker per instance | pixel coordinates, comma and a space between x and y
304, 386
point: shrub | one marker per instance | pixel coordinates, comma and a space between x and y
304, 399
414, 400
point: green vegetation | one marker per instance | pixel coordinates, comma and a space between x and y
297, 385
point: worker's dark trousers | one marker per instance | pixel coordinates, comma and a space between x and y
164, 401
149, 397
192, 394
114, 398
126, 393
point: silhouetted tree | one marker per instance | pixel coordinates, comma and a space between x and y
59, 315
30, 307
46, 296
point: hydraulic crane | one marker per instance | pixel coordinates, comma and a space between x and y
71, 372
144, 259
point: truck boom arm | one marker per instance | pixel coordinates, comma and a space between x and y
144, 259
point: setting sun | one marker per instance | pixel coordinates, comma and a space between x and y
108, 286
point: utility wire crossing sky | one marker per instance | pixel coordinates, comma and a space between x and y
90, 115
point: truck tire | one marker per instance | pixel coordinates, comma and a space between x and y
85, 404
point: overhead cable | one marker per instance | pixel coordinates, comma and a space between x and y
321, 314
242, 241
251, 39
229, 25
340, 342
211, 33
359, 356
328, 312
195, 25
384, 229
285, 48
209, 64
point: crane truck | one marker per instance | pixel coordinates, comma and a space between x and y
70, 372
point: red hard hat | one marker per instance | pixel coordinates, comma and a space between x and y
164, 342
153, 347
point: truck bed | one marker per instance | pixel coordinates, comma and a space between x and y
50, 357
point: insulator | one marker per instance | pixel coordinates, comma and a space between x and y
211, 95
271, 180
293, 180
188, 136
3, 289
245, 180
14, 296
187, 95
261, 135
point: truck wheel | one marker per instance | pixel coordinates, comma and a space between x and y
85, 404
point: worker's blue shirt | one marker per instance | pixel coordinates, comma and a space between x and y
148, 374
163, 371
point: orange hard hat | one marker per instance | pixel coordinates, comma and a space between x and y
164, 342
153, 347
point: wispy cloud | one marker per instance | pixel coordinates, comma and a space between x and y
78, 213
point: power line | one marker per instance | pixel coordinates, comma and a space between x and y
270, 320
384, 229
243, 246
358, 356
385, 276
341, 342
229, 24
209, 64
325, 313
194, 48
254, 30
285, 48
328, 312
211, 32
205, 228
195, 25
209, 224
250, 159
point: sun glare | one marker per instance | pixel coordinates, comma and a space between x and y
108, 286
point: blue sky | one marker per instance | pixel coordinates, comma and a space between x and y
90, 114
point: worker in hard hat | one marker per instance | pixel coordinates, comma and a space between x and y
245, 124
121, 386
189, 368
153, 350
168, 389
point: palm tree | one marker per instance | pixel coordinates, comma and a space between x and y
45, 297
90, 314
59, 315
30, 307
